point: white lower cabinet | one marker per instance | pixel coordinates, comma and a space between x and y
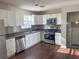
58, 38
37, 37
11, 49
32, 39
27, 41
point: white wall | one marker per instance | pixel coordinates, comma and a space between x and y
65, 10
63, 29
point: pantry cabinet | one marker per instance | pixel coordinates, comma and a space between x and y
11, 48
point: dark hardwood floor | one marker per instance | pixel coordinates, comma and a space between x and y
47, 51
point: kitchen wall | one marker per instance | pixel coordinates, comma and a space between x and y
63, 29
65, 10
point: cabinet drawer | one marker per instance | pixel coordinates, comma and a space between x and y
10, 43
10, 52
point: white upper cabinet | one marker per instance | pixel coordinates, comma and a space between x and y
38, 19
15, 18
59, 18
4, 16
19, 18
45, 17
8, 17
11, 18
48, 16
52, 15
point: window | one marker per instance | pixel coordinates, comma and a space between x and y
28, 21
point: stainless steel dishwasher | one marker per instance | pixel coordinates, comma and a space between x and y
20, 43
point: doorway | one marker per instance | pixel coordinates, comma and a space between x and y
73, 30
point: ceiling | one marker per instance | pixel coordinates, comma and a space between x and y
49, 4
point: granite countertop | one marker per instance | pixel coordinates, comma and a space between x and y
17, 34
23, 33
57, 31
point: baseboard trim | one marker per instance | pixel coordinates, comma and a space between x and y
33, 45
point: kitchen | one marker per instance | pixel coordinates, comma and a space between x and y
17, 33
37, 33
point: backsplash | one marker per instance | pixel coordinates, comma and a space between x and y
11, 29
37, 27
40, 27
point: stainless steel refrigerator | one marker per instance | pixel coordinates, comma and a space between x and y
3, 52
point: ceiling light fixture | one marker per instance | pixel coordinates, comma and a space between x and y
42, 6
77, 22
39, 3
36, 5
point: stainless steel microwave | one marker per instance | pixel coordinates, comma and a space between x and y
51, 21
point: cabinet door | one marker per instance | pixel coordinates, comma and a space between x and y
53, 15
58, 38
38, 19
34, 38
59, 18
11, 49
10, 43
11, 18
27, 41
19, 18
4, 16
44, 19
48, 16
31, 38
37, 38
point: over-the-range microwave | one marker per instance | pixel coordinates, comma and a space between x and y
51, 21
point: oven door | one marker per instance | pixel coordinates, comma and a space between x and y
46, 36
49, 36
